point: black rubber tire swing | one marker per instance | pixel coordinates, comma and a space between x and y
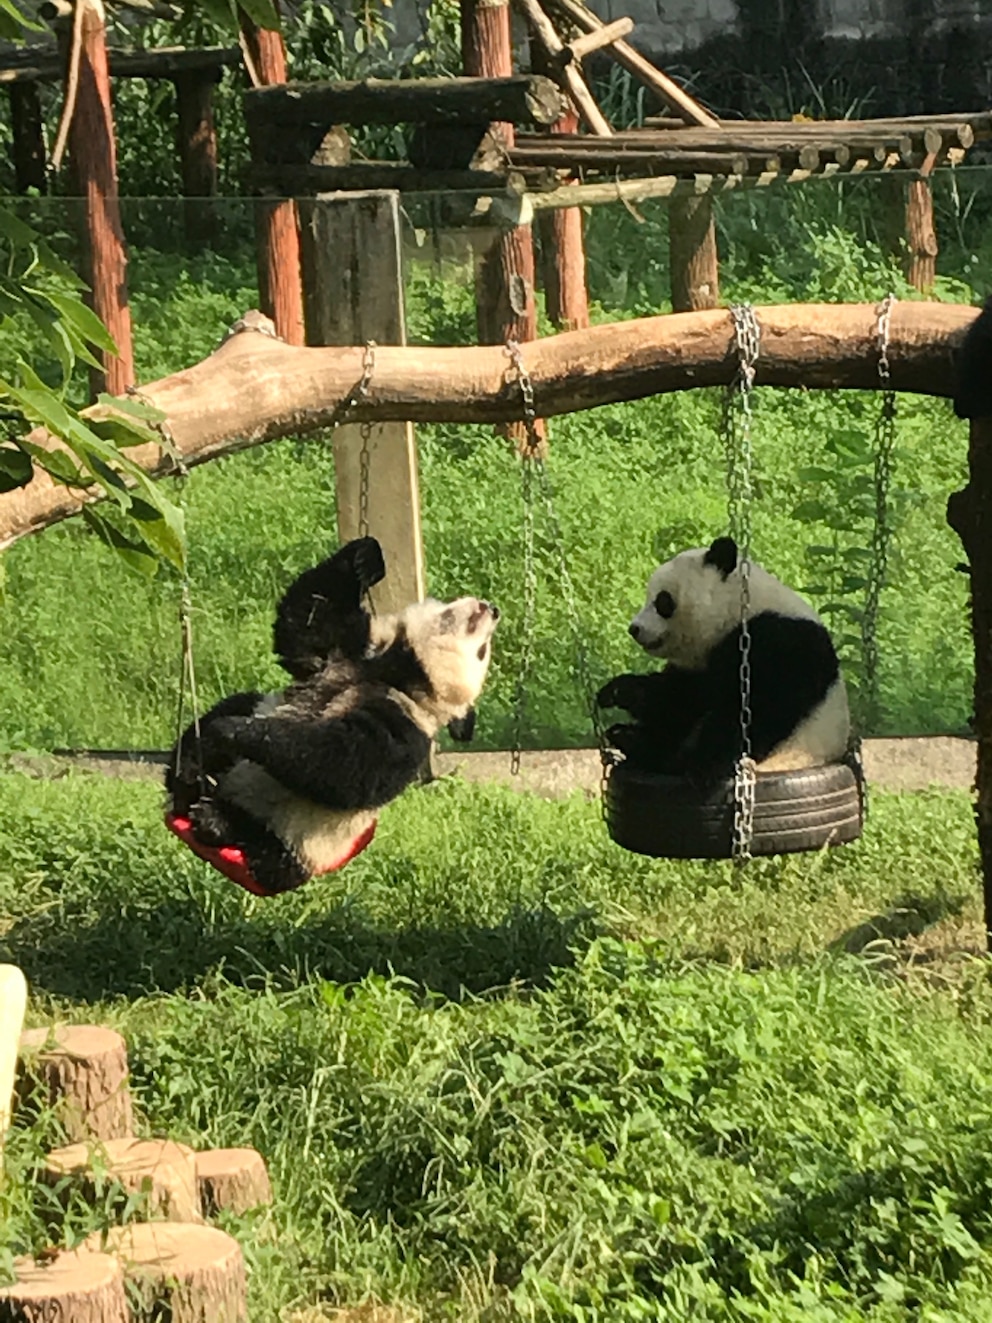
671, 817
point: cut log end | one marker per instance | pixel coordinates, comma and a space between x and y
234, 1179
80, 1072
159, 1169
186, 1272
80, 1285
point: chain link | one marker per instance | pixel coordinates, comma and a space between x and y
533, 466
881, 535
738, 417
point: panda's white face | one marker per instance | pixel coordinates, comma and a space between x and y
453, 643
694, 602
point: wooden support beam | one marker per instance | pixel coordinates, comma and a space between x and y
34, 65
197, 140
93, 157
664, 87
353, 283
976, 126
563, 265
255, 388
277, 240
27, 131
567, 71
969, 513
692, 253
921, 236
580, 47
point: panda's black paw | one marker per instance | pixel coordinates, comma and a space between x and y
219, 741
368, 561
622, 691
210, 823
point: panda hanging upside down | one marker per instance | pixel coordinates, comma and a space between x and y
281, 787
686, 719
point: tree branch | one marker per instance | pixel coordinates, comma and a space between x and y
255, 388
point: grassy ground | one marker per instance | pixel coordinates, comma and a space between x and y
501, 1069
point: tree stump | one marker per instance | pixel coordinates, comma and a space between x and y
232, 1178
186, 1273
13, 998
80, 1071
163, 1171
80, 1286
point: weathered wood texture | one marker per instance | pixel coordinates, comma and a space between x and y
975, 125
352, 254
160, 1171
969, 513
692, 254
566, 72
183, 1273
27, 131
34, 66
921, 236
254, 388
232, 1179
563, 258
82, 1286
93, 154
277, 240
80, 1073
643, 70
197, 141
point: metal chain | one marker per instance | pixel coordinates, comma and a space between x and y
881, 535
738, 418
533, 465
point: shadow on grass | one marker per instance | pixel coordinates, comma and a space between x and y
168, 948
908, 916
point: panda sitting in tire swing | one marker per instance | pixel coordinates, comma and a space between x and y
674, 793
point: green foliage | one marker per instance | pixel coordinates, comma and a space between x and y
501, 1069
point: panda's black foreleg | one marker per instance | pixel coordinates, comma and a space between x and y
321, 614
217, 822
192, 760
665, 705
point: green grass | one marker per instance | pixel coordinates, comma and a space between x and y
501, 1069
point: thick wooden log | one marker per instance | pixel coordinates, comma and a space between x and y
504, 272
83, 1286
197, 140
969, 513
277, 239
643, 70
27, 131
482, 99
80, 1073
692, 255
232, 1179
93, 153
163, 1173
921, 236
183, 1273
13, 1000
255, 388
32, 65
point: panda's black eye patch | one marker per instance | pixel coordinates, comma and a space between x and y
481, 654
664, 604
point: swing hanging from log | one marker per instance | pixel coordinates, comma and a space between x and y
753, 812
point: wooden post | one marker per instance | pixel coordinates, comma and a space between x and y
504, 280
197, 136
277, 234
969, 513
692, 255
27, 129
93, 153
921, 236
353, 283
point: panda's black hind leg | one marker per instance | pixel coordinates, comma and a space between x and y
321, 612
272, 866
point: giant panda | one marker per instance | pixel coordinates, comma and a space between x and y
973, 375
686, 719
276, 788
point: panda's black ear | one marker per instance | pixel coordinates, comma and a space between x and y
723, 555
